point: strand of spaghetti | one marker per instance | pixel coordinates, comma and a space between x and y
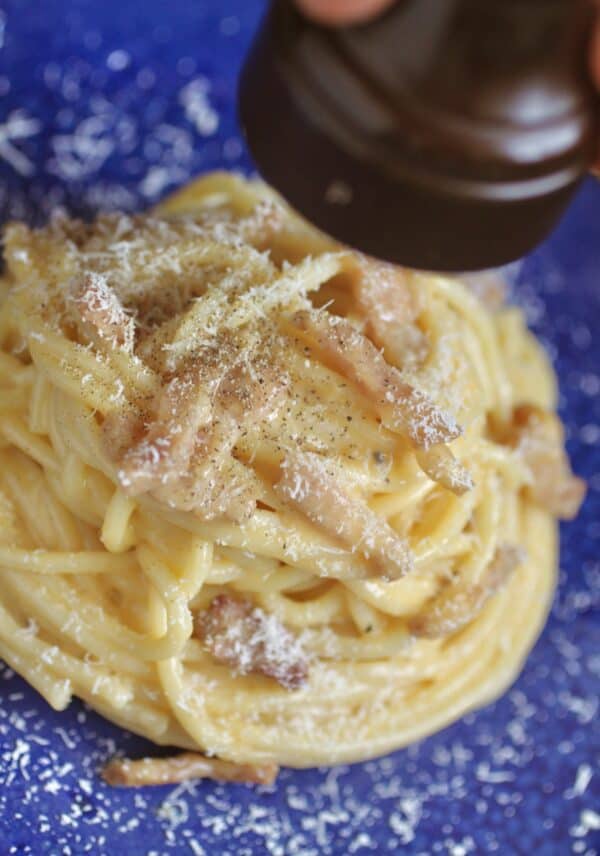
105, 636
49, 562
39, 402
216, 188
57, 693
446, 517
49, 660
397, 599
179, 620
56, 605
152, 721
78, 487
13, 399
262, 576
372, 646
75, 371
99, 379
11, 367
472, 310
191, 712
284, 537
117, 533
189, 567
63, 531
319, 610
15, 429
84, 439
39, 513
365, 618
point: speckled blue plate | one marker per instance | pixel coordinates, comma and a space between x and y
112, 104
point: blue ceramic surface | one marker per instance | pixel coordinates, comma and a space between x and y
112, 104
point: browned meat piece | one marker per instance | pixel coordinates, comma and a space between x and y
164, 453
402, 408
386, 299
252, 642
457, 604
539, 437
307, 485
182, 768
441, 466
99, 305
185, 457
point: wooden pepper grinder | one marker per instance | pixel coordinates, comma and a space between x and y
445, 134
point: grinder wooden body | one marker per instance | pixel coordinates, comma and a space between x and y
445, 134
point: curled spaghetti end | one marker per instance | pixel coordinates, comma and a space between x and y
459, 603
251, 641
121, 772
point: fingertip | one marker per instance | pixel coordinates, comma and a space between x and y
341, 12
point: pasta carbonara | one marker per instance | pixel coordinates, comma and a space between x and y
262, 498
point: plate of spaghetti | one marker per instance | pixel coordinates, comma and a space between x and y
278, 522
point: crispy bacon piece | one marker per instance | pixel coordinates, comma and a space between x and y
120, 431
386, 299
402, 408
216, 485
441, 466
99, 305
164, 453
185, 457
252, 642
539, 437
122, 772
307, 485
458, 604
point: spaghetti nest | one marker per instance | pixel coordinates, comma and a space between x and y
262, 497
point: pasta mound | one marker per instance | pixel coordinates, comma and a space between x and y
261, 497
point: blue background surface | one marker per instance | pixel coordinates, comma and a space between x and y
112, 104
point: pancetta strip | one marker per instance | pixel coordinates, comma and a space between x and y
458, 604
164, 453
442, 467
538, 436
185, 457
390, 306
307, 485
252, 641
402, 408
184, 767
99, 306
